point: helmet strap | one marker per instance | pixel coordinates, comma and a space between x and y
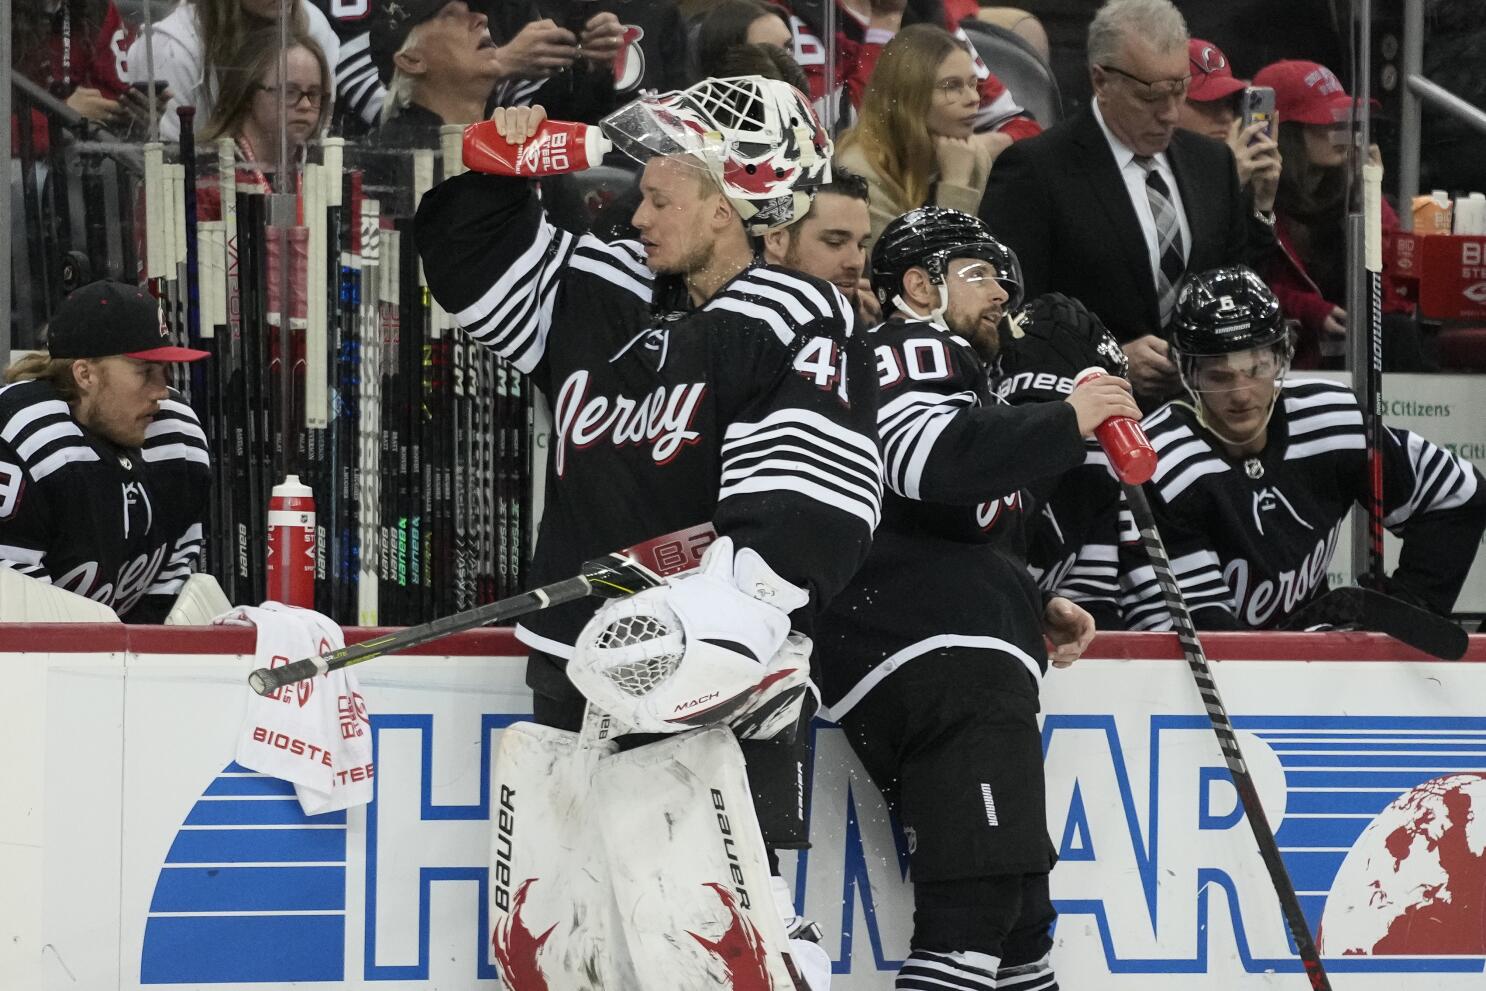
935, 317
1199, 410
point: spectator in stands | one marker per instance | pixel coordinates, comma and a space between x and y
103, 468
863, 30
443, 66
1214, 108
73, 49
831, 241
916, 143
1309, 273
362, 91
200, 39
655, 48
1115, 204
557, 54
730, 23
253, 100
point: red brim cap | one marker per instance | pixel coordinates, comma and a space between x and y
1206, 88
169, 354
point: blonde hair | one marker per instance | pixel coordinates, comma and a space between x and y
400, 90
893, 131
42, 366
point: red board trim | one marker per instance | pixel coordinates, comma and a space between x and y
102, 638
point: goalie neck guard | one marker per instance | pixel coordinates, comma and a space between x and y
758, 139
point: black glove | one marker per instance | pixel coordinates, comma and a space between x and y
1059, 338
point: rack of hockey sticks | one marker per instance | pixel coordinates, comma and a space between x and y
415, 441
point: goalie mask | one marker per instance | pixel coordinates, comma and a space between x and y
758, 139
928, 238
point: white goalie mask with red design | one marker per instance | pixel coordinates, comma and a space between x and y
758, 138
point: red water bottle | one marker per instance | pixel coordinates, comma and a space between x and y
1129, 450
558, 146
291, 543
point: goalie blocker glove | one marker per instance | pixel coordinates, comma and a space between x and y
702, 649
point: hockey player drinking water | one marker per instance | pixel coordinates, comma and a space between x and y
1257, 471
749, 404
934, 653
103, 467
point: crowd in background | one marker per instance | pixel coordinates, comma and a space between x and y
919, 110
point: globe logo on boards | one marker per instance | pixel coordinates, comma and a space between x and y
1415, 881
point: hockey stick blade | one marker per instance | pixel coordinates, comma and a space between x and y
611, 576
1369, 609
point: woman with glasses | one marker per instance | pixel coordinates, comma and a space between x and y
253, 99
201, 40
916, 143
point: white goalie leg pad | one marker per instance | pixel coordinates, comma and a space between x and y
24, 599
551, 906
688, 867
200, 601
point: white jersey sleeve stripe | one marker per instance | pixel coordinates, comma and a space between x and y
848, 439
798, 485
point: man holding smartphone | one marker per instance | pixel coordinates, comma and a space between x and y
1226, 108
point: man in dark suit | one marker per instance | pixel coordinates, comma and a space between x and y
1114, 205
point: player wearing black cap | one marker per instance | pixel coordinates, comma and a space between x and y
1258, 471
933, 656
103, 469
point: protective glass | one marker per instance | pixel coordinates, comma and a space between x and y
1239, 370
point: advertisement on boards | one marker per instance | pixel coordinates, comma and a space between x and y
164, 863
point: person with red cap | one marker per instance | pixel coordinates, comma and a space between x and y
1309, 273
104, 471
1214, 108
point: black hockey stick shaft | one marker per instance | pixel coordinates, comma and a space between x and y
1217, 713
265, 680
1372, 204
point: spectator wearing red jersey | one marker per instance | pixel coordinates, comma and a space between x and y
916, 143
75, 49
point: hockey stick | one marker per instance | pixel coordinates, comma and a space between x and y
1369, 609
1372, 200
611, 576
1222, 726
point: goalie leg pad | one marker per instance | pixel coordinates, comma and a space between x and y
688, 866
551, 907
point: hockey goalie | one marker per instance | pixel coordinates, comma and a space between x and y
628, 855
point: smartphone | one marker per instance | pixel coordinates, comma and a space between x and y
160, 86
1258, 108
574, 15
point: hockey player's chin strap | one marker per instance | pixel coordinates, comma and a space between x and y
1199, 410
936, 315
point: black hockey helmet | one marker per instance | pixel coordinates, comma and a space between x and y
1055, 338
929, 237
1226, 310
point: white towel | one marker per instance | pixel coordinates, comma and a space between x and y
314, 733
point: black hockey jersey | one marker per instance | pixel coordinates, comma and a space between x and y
1077, 520
946, 566
756, 411
122, 527
358, 87
1250, 539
